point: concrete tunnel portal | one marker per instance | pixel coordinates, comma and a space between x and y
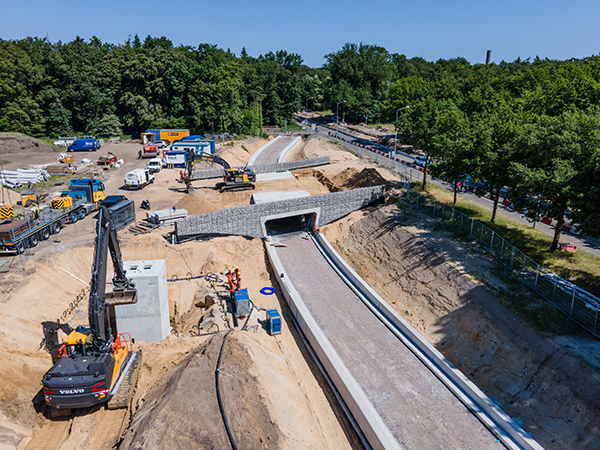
290, 222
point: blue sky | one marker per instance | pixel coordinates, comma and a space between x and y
431, 29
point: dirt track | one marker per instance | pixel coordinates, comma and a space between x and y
420, 269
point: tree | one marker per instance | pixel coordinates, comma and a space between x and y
558, 150
436, 126
361, 75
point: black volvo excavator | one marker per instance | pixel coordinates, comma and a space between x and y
96, 364
234, 179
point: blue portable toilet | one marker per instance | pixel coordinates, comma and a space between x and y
242, 302
273, 322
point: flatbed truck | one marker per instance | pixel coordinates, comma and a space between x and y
74, 204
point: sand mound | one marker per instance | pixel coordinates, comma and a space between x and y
181, 409
22, 145
365, 178
342, 178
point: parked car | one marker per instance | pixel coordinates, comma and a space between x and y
420, 160
154, 165
84, 145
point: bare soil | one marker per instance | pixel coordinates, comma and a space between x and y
22, 145
273, 395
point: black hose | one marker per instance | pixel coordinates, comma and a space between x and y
248, 317
233, 446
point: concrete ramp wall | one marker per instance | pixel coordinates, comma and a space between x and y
250, 220
264, 168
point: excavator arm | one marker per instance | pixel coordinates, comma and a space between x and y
106, 241
191, 158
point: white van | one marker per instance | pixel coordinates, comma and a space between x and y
138, 178
154, 165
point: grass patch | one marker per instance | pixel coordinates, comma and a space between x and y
535, 310
293, 126
389, 126
327, 112
581, 268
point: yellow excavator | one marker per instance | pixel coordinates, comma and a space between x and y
96, 365
234, 178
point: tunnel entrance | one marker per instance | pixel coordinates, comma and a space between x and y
288, 224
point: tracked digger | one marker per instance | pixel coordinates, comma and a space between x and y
96, 364
234, 178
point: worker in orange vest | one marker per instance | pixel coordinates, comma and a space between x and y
230, 282
238, 279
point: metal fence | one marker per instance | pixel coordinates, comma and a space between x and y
579, 305
576, 303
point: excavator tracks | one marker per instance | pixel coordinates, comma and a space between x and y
122, 397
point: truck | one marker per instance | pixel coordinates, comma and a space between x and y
88, 145
18, 235
138, 178
164, 135
154, 149
96, 363
72, 205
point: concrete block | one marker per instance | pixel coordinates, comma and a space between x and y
148, 319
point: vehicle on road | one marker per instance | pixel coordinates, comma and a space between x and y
87, 145
154, 165
420, 160
138, 178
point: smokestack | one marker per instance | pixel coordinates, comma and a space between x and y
488, 58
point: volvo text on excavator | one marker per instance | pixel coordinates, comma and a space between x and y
234, 178
96, 364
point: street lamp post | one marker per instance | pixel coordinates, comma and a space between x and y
306, 110
337, 116
396, 126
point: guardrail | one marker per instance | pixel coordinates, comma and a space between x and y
579, 305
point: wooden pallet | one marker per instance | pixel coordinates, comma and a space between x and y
142, 227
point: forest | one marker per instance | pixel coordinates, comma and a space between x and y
530, 126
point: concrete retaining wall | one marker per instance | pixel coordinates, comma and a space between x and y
250, 220
503, 426
264, 168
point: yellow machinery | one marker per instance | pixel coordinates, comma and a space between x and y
6, 212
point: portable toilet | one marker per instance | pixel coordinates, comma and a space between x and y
273, 322
242, 302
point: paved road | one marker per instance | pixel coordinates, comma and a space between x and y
270, 154
590, 245
419, 410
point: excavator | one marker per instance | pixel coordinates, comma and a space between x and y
96, 364
234, 178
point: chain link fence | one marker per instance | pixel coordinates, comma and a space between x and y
579, 305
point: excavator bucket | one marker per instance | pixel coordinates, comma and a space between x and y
122, 297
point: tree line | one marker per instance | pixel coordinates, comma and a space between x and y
531, 126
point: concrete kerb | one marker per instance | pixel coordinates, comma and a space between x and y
260, 150
288, 148
365, 415
496, 420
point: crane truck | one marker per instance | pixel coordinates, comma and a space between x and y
234, 178
96, 363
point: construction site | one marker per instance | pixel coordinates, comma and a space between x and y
293, 300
